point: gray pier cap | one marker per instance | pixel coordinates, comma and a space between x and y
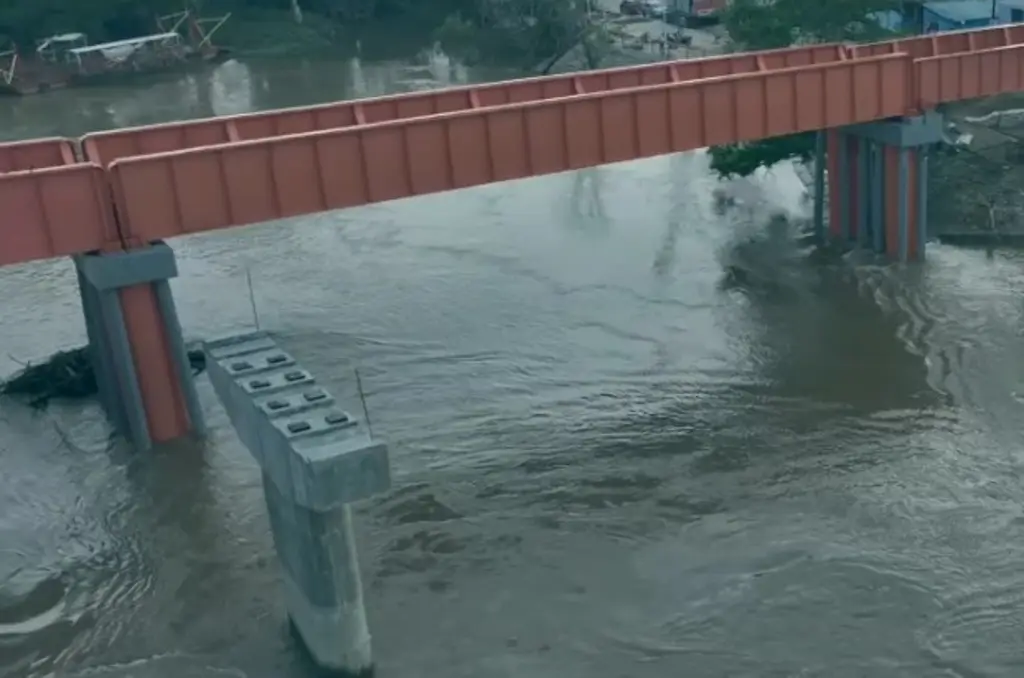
316, 453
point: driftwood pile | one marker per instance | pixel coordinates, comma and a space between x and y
67, 375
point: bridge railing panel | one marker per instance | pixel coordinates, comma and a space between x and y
169, 194
419, 104
968, 75
951, 42
54, 212
104, 147
20, 156
711, 67
802, 56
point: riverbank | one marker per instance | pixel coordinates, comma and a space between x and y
632, 41
274, 33
974, 177
974, 184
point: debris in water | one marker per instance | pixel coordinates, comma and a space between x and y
67, 375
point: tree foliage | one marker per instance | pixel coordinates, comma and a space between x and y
756, 24
772, 24
523, 30
26, 21
741, 160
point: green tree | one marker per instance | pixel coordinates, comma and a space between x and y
26, 21
766, 24
524, 31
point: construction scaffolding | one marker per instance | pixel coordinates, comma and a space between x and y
197, 31
66, 58
8, 66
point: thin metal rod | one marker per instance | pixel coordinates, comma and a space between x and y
252, 299
362, 399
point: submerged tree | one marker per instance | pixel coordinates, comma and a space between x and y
767, 24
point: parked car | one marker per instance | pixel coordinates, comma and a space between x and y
631, 8
645, 8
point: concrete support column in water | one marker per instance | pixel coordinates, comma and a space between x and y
878, 184
135, 344
820, 143
317, 459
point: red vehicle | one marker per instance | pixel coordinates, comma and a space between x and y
674, 11
705, 8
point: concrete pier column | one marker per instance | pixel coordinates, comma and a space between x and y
883, 184
820, 143
847, 181
142, 370
838, 195
876, 195
317, 459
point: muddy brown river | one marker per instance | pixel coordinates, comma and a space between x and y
609, 461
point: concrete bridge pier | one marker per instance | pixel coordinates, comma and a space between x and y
878, 184
135, 344
316, 459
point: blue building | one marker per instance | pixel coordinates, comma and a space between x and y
957, 15
1010, 11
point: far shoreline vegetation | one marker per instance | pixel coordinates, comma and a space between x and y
512, 31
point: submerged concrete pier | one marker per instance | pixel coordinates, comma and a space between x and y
136, 348
877, 183
316, 459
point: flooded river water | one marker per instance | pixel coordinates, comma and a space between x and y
607, 462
